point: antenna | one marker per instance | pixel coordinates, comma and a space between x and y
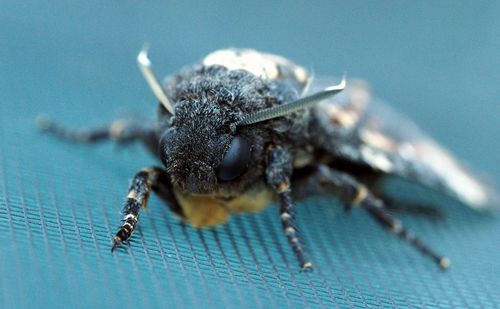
145, 66
288, 108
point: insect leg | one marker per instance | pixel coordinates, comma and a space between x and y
278, 173
353, 193
380, 213
401, 205
137, 197
121, 130
163, 188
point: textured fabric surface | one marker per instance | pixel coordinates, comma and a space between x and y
60, 203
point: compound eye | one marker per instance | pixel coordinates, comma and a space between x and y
235, 160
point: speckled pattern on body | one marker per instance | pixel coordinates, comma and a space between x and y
59, 203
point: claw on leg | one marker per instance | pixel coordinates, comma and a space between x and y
353, 193
117, 242
380, 213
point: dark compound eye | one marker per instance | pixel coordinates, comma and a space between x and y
235, 160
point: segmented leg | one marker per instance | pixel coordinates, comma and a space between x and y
377, 209
137, 197
121, 131
401, 205
278, 173
353, 193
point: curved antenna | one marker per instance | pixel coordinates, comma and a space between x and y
145, 66
288, 108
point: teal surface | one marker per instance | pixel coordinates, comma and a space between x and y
60, 203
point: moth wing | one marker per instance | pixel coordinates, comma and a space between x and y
368, 132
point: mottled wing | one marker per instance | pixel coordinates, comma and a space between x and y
367, 132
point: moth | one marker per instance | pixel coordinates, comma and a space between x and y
244, 128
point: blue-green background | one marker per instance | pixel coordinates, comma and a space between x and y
60, 203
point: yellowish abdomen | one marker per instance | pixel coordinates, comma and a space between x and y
209, 211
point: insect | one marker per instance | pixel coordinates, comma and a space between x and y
243, 128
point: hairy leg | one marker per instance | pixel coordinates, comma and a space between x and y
352, 193
137, 198
278, 173
122, 131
